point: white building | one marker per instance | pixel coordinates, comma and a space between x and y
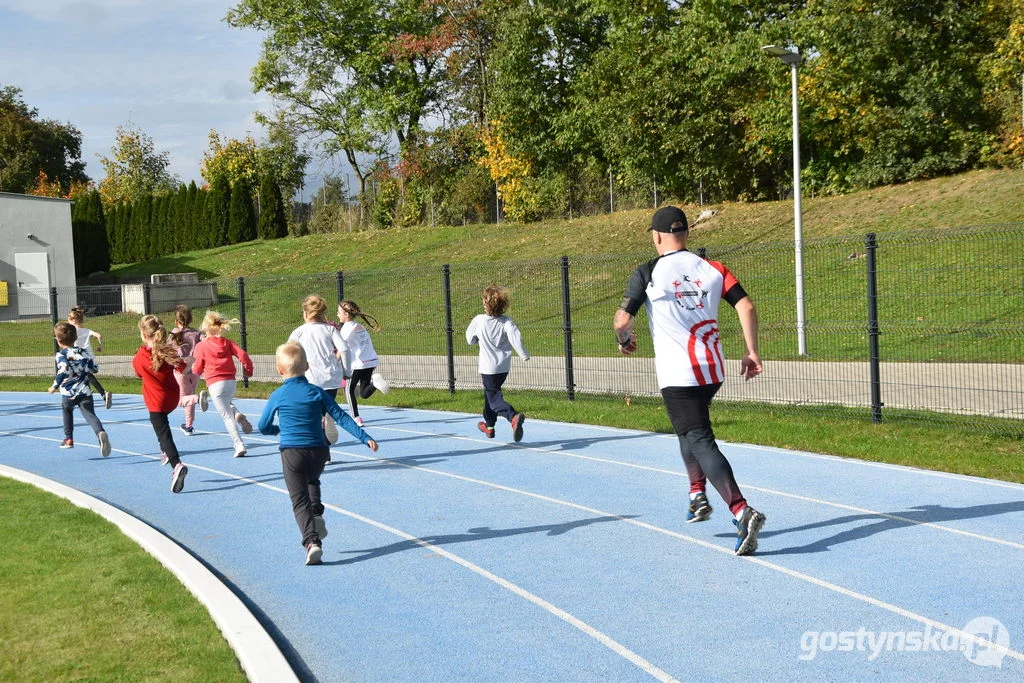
36, 253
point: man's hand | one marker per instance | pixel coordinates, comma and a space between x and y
630, 346
750, 366
50, 390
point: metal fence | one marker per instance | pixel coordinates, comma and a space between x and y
919, 326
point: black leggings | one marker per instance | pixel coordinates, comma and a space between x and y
163, 434
361, 378
689, 410
96, 385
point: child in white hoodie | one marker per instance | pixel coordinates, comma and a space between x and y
497, 335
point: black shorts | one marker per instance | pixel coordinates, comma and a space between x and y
689, 407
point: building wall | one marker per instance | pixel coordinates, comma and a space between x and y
48, 221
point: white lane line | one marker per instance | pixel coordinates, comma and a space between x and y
677, 473
964, 635
579, 624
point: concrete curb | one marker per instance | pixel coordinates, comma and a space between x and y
259, 655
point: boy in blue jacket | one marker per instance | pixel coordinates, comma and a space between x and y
300, 408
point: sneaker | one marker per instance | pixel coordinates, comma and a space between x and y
321, 526
314, 553
700, 509
108, 400
204, 400
381, 384
178, 477
104, 444
330, 430
67, 443
748, 526
517, 426
186, 430
240, 453
359, 421
489, 431
164, 459
244, 423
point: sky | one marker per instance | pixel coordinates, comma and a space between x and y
173, 68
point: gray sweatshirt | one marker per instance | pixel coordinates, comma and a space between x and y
497, 337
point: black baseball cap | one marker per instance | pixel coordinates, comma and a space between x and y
669, 219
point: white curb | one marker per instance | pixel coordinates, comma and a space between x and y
259, 655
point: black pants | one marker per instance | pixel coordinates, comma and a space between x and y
163, 434
84, 403
302, 469
96, 385
495, 405
360, 380
689, 409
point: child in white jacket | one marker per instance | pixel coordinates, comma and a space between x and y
497, 335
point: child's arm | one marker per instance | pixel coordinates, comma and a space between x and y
243, 357
99, 339
198, 362
266, 424
471, 333
62, 373
345, 422
516, 340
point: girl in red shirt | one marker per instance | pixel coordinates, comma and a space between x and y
214, 360
155, 362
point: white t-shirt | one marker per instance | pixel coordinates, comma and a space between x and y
84, 340
359, 352
681, 292
497, 336
320, 341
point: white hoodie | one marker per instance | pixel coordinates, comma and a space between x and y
497, 336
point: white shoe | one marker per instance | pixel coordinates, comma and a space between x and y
359, 421
381, 384
104, 444
321, 526
240, 453
330, 430
244, 423
204, 400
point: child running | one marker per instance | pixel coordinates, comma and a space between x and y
301, 407
155, 362
324, 347
214, 360
76, 316
497, 335
361, 359
184, 339
74, 366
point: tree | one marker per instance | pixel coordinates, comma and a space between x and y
242, 218
235, 160
218, 214
135, 168
30, 146
273, 223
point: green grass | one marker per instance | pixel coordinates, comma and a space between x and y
80, 601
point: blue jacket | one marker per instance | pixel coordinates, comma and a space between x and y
73, 367
300, 407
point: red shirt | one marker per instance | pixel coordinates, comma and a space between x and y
159, 388
213, 359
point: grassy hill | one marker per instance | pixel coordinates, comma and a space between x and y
976, 198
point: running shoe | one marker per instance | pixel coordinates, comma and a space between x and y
104, 444
164, 459
240, 453
186, 430
244, 423
359, 421
330, 430
204, 400
748, 526
314, 553
517, 426
489, 431
67, 443
700, 509
178, 477
108, 400
321, 526
381, 384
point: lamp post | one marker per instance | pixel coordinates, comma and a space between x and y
791, 56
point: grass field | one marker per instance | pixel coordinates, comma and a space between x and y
59, 564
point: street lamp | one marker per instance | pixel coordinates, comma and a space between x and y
791, 56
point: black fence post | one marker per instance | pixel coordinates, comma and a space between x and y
244, 333
339, 279
570, 380
446, 283
53, 319
147, 299
702, 252
876, 384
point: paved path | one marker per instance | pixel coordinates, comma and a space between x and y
963, 388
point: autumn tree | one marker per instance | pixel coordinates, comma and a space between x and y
135, 168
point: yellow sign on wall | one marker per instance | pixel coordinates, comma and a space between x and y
3, 294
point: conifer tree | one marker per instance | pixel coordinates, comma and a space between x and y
273, 223
218, 212
99, 247
242, 223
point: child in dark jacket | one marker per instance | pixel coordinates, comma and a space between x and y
300, 408
75, 366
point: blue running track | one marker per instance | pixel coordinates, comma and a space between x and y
567, 557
